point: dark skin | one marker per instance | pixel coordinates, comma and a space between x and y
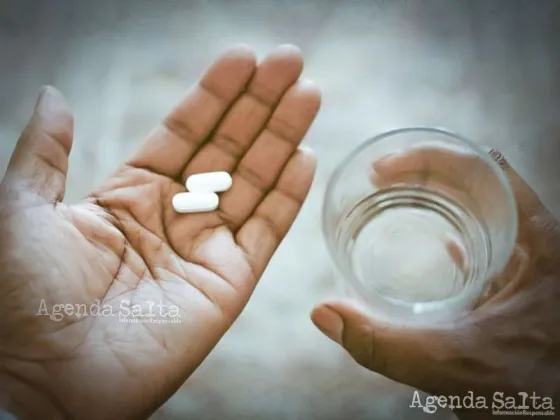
510, 342
125, 242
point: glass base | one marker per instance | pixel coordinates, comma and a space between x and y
413, 247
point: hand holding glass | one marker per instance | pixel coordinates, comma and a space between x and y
418, 221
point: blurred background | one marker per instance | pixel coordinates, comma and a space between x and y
489, 70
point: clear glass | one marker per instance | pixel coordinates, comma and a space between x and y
417, 221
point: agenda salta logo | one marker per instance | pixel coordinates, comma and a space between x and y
522, 404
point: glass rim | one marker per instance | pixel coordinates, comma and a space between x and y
484, 155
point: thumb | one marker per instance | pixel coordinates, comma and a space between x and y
40, 159
398, 353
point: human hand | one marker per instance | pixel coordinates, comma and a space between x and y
509, 343
125, 243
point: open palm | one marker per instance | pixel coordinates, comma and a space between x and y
125, 244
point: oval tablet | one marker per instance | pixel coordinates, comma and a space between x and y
195, 202
209, 182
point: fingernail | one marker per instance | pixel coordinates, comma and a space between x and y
289, 49
46, 101
330, 323
307, 84
303, 148
384, 160
41, 96
389, 156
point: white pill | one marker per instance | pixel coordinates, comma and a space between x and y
195, 202
209, 182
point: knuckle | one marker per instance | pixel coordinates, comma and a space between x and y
365, 351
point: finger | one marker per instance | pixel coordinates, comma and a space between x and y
262, 233
510, 281
469, 178
457, 252
171, 145
401, 354
528, 202
247, 117
421, 165
448, 164
261, 166
539, 230
40, 159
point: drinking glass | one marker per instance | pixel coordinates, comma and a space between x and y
418, 221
